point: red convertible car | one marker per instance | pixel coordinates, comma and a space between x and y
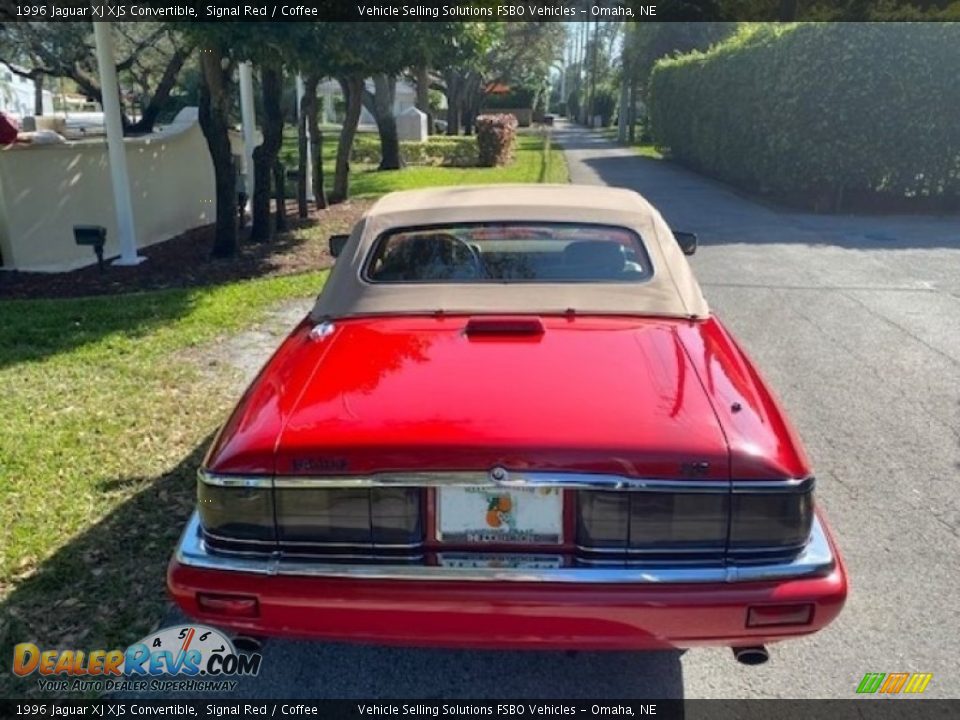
510, 421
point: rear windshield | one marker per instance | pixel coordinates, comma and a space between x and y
509, 252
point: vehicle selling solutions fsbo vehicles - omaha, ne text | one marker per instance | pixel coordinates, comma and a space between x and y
513, 402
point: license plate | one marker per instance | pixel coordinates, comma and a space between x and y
522, 516
499, 560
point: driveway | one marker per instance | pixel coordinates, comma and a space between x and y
856, 323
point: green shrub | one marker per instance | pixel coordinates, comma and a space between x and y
819, 112
605, 104
438, 150
496, 139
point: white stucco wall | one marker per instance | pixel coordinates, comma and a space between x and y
17, 95
45, 190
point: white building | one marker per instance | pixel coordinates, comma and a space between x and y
329, 90
17, 95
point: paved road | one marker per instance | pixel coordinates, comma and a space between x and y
856, 323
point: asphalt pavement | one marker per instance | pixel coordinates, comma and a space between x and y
855, 322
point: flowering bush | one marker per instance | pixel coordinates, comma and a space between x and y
496, 139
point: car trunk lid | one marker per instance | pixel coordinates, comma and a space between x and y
441, 393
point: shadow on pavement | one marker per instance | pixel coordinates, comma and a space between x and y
306, 669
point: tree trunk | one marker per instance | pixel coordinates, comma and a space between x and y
310, 111
215, 102
454, 90
38, 94
352, 87
280, 203
380, 105
160, 96
265, 154
423, 94
472, 100
303, 209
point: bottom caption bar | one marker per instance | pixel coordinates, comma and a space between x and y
515, 709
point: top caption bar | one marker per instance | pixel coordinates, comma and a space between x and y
471, 10
329, 10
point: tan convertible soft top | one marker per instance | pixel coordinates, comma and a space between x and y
671, 292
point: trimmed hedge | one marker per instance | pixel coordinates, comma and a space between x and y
448, 151
496, 139
820, 113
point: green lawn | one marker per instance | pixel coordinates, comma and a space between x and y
107, 406
536, 162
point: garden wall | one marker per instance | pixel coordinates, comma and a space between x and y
47, 189
829, 115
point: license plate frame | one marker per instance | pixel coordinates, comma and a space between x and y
499, 561
483, 515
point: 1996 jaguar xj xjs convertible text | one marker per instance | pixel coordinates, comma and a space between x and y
510, 421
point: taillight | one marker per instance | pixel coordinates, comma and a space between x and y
771, 518
379, 516
230, 605
773, 615
752, 519
651, 522
257, 514
236, 508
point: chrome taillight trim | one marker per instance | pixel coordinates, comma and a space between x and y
325, 556
241, 481
305, 543
816, 559
640, 562
759, 487
497, 477
236, 540
666, 550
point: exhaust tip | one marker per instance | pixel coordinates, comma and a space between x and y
247, 644
751, 655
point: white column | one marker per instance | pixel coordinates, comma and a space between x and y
300, 93
115, 150
249, 119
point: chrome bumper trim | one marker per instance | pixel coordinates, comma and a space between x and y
502, 478
567, 481
306, 544
815, 559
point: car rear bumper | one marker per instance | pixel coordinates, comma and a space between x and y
582, 608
